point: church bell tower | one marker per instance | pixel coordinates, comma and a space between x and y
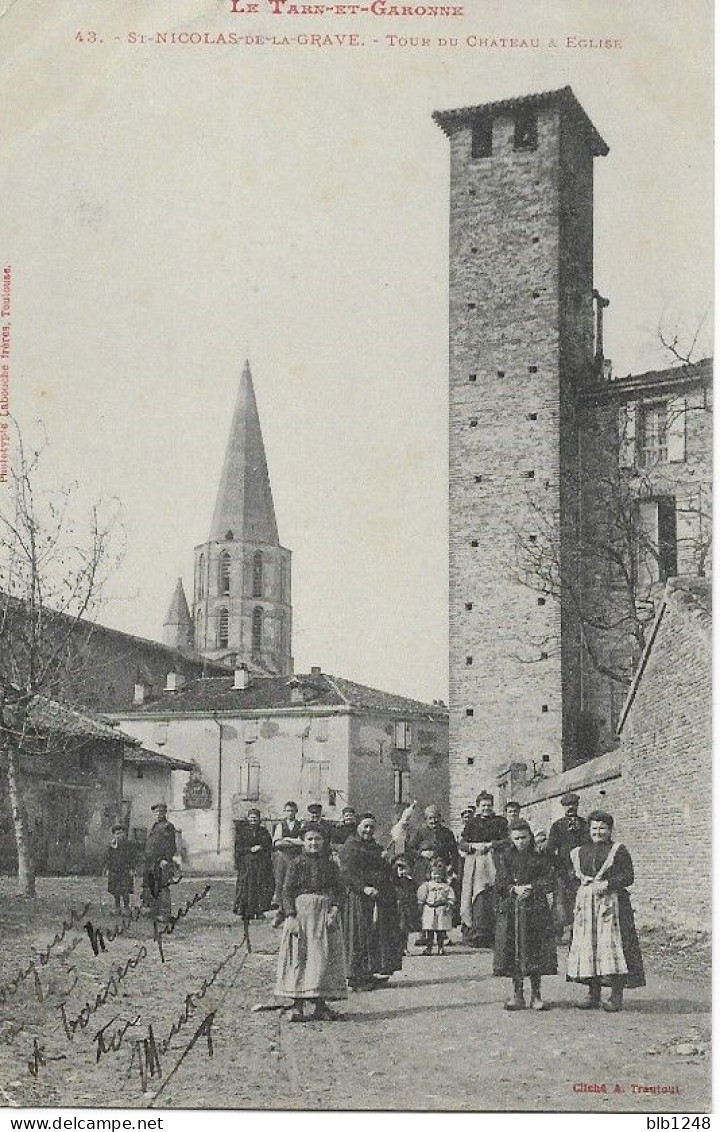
241, 602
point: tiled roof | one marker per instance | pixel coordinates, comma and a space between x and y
626, 388
275, 693
49, 715
143, 755
448, 119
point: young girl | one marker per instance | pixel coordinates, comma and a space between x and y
311, 963
605, 950
524, 934
436, 900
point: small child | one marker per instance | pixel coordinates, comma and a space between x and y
406, 895
436, 900
120, 868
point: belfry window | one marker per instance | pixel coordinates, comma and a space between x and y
257, 628
223, 628
257, 574
201, 576
224, 573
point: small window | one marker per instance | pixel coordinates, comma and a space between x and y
223, 628
473, 422
139, 772
482, 136
532, 416
468, 660
471, 306
468, 605
471, 761
543, 656
536, 239
541, 601
249, 782
528, 475
402, 736
474, 251
472, 377
532, 538
478, 479
544, 708
501, 373
257, 628
224, 573
250, 730
474, 542
532, 369
469, 711
526, 129
402, 787
652, 435
161, 733
201, 577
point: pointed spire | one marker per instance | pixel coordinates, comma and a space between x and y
178, 625
244, 504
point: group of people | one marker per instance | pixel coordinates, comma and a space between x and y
157, 859
347, 906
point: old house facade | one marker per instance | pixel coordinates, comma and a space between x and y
261, 740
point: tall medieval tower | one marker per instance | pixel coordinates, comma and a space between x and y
241, 603
521, 350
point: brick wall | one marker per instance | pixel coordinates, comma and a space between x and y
520, 335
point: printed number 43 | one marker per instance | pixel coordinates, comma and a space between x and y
86, 37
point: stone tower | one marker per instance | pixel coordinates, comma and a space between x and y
241, 602
521, 350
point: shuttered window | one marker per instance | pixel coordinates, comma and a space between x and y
249, 784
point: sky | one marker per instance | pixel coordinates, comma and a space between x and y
169, 211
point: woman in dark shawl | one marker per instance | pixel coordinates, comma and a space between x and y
373, 943
253, 861
524, 932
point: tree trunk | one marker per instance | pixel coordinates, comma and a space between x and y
26, 865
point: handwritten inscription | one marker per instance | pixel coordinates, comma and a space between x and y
31, 971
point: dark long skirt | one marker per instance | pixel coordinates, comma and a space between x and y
524, 937
254, 887
564, 893
373, 946
482, 931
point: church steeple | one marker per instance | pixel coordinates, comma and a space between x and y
241, 600
244, 507
178, 625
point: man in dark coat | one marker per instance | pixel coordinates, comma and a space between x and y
347, 827
317, 821
565, 835
160, 848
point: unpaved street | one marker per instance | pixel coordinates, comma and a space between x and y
436, 1037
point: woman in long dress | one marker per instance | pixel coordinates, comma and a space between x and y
311, 962
605, 950
373, 940
253, 861
482, 834
524, 933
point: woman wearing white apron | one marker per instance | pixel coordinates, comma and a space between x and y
605, 950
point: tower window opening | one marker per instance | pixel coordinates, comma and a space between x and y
471, 306
257, 628
471, 761
532, 369
529, 475
257, 574
544, 709
482, 136
478, 479
223, 628
543, 656
474, 542
224, 573
468, 605
532, 416
501, 373
473, 422
526, 135
541, 601
468, 660
469, 711
229, 536
536, 294
474, 251
472, 377
532, 538
201, 576
536, 239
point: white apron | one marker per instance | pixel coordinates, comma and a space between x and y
596, 949
311, 964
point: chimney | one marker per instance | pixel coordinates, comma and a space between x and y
296, 695
139, 696
315, 671
242, 677
175, 681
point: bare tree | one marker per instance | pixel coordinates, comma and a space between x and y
55, 563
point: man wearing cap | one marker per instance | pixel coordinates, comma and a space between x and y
317, 821
565, 835
482, 834
160, 848
348, 825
